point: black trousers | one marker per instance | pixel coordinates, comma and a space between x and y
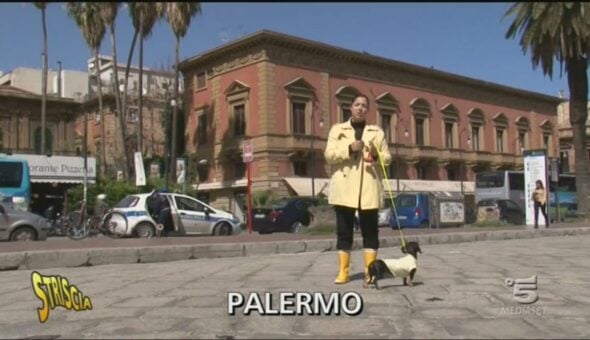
345, 227
543, 207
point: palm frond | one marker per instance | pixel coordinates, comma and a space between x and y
551, 30
179, 15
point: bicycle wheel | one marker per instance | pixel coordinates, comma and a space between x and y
115, 224
77, 231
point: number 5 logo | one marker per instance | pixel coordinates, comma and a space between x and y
525, 290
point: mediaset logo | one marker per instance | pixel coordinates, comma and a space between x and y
295, 303
54, 291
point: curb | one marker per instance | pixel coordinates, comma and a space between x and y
100, 256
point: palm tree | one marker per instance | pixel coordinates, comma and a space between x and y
179, 16
108, 13
561, 30
42, 6
88, 19
144, 16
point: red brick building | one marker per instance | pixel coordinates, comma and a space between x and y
284, 93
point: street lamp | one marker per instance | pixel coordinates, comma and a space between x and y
312, 151
397, 161
461, 157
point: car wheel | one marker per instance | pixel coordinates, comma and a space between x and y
144, 230
23, 234
424, 225
296, 227
224, 229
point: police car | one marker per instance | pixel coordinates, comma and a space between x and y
187, 216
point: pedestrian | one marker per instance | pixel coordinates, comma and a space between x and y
353, 150
539, 198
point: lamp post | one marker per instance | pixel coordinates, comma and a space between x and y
461, 157
312, 152
174, 105
397, 161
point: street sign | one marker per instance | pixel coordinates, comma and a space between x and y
247, 151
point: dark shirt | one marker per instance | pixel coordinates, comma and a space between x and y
358, 134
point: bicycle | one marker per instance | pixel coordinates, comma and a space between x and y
112, 224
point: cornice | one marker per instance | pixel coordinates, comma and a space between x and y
348, 62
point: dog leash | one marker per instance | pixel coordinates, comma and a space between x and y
392, 200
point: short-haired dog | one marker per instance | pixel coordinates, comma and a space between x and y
404, 267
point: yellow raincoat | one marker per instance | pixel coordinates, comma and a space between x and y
345, 185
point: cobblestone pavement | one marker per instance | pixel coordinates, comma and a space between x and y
460, 293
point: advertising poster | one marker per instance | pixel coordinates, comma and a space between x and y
535, 168
180, 170
139, 170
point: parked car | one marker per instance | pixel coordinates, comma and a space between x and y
412, 211
384, 216
18, 225
187, 216
507, 211
285, 215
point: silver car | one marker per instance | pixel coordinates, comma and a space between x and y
188, 216
17, 225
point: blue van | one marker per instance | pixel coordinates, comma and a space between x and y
413, 211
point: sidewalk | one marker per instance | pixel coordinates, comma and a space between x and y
99, 251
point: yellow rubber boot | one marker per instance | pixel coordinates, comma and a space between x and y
344, 263
370, 256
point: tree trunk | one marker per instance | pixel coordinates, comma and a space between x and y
101, 115
128, 164
174, 118
578, 85
122, 123
44, 85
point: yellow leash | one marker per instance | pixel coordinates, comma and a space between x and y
392, 200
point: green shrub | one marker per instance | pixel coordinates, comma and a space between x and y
262, 198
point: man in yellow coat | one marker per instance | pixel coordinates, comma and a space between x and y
354, 148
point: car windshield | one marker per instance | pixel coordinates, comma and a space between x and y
279, 204
406, 201
127, 202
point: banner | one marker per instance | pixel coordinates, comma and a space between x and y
139, 170
535, 168
180, 170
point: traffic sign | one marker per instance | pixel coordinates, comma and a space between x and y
247, 151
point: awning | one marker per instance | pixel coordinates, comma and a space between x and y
59, 169
302, 185
241, 183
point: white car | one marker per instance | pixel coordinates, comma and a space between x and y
188, 216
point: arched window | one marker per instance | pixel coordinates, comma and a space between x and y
421, 121
300, 98
476, 122
345, 95
501, 125
238, 96
523, 127
450, 116
387, 106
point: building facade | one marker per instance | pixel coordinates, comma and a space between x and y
567, 159
284, 93
60, 83
59, 168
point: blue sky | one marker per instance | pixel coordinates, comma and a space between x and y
461, 38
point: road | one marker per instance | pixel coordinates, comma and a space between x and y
54, 243
460, 293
